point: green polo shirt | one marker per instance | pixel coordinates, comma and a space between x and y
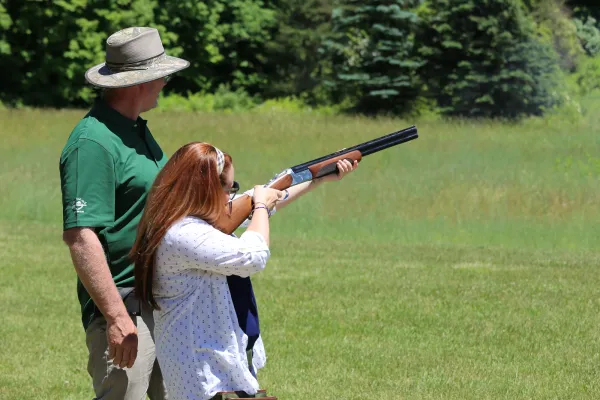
107, 168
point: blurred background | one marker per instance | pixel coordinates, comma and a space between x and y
468, 58
461, 265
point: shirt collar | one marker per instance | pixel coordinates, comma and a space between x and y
116, 120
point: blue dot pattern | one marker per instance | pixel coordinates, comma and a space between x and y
199, 344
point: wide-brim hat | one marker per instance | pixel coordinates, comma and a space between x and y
133, 56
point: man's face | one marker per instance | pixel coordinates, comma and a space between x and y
150, 92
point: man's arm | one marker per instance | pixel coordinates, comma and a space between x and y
91, 267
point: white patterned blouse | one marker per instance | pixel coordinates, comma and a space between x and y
199, 343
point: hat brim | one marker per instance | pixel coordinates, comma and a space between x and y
101, 76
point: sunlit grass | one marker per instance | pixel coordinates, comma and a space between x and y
462, 265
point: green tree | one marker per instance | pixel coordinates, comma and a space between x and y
46, 46
292, 61
585, 8
223, 40
588, 32
372, 53
587, 19
554, 24
52, 43
484, 59
5, 47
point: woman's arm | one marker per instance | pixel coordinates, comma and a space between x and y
207, 248
197, 245
264, 200
295, 192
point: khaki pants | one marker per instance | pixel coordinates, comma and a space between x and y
111, 382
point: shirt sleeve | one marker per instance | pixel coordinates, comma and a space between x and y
87, 175
207, 248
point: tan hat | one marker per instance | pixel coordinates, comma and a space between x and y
133, 56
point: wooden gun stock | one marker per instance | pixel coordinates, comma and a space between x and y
241, 207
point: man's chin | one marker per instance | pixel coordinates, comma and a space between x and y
151, 107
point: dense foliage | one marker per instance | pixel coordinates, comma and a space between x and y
497, 58
372, 50
484, 59
48, 46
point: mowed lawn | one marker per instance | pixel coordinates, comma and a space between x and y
462, 265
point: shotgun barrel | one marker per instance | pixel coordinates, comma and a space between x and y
366, 148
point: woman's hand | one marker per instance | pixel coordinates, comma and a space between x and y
344, 168
267, 196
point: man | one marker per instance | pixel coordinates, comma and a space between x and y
106, 168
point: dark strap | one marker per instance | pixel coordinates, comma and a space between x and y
261, 394
132, 303
249, 354
133, 66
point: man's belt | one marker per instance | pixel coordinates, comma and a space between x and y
132, 303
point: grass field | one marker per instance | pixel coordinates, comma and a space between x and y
462, 265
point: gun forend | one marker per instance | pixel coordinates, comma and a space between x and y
330, 166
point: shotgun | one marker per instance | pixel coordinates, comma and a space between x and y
242, 205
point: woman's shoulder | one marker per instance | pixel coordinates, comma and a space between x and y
186, 226
193, 221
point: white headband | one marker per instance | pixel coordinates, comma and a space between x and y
220, 161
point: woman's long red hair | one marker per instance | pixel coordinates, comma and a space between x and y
188, 185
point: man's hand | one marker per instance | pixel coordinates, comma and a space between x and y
122, 338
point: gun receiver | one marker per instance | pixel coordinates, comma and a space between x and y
317, 168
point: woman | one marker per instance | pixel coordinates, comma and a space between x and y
196, 277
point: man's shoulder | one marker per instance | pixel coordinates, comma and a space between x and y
89, 131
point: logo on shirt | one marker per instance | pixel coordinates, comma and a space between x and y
78, 205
